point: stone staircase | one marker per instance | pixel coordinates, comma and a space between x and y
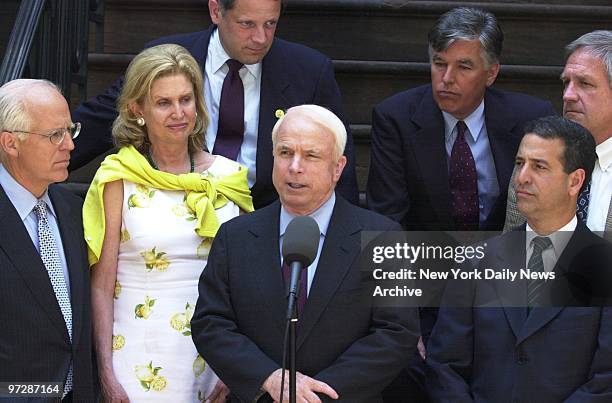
379, 47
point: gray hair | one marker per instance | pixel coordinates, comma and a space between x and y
467, 23
13, 104
598, 44
322, 116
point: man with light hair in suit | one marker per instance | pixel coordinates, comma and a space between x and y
587, 100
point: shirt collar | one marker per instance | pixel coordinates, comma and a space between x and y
604, 154
20, 197
474, 122
559, 238
322, 215
219, 56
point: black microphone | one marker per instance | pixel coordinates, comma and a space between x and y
300, 246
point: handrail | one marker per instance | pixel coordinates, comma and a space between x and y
49, 40
21, 39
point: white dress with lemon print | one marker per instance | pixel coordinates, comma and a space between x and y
160, 262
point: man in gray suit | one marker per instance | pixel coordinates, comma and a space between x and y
587, 100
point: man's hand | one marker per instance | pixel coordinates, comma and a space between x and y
305, 388
219, 393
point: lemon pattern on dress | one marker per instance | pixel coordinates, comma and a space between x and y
118, 342
181, 321
143, 311
155, 260
149, 377
142, 197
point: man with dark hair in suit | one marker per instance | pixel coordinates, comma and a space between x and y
44, 292
251, 79
557, 346
442, 154
587, 100
347, 349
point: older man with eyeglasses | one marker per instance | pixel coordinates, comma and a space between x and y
44, 292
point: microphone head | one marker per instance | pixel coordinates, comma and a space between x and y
301, 241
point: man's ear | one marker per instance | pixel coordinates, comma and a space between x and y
339, 168
576, 179
9, 143
492, 74
215, 11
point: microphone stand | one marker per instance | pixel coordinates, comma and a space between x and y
296, 268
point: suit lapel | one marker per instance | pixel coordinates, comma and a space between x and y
430, 152
264, 257
511, 294
199, 50
18, 246
608, 227
503, 136
341, 246
274, 84
71, 241
539, 317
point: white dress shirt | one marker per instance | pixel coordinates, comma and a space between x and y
215, 71
559, 240
601, 188
478, 141
322, 216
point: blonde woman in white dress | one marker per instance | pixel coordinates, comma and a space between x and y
149, 216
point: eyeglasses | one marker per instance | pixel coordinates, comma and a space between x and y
56, 136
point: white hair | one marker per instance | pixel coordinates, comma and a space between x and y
13, 104
322, 116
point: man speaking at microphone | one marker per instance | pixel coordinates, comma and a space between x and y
347, 350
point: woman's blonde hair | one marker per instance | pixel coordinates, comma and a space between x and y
149, 65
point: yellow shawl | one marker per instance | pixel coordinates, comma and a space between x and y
204, 194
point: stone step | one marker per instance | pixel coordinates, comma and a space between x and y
365, 83
389, 30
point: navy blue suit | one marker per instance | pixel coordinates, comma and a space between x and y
34, 342
344, 340
503, 354
408, 179
292, 75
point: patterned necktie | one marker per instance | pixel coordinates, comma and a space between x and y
463, 183
230, 131
536, 264
50, 258
582, 205
303, 293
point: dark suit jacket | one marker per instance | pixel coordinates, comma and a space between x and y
34, 342
292, 75
408, 179
501, 354
239, 320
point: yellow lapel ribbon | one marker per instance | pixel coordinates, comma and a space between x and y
204, 194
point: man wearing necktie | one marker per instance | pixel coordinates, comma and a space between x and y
44, 292
251, 79
555, 344
442, 154
346, 348
587, 100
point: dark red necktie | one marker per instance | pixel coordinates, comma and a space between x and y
230, 131
463, 183
303, 294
